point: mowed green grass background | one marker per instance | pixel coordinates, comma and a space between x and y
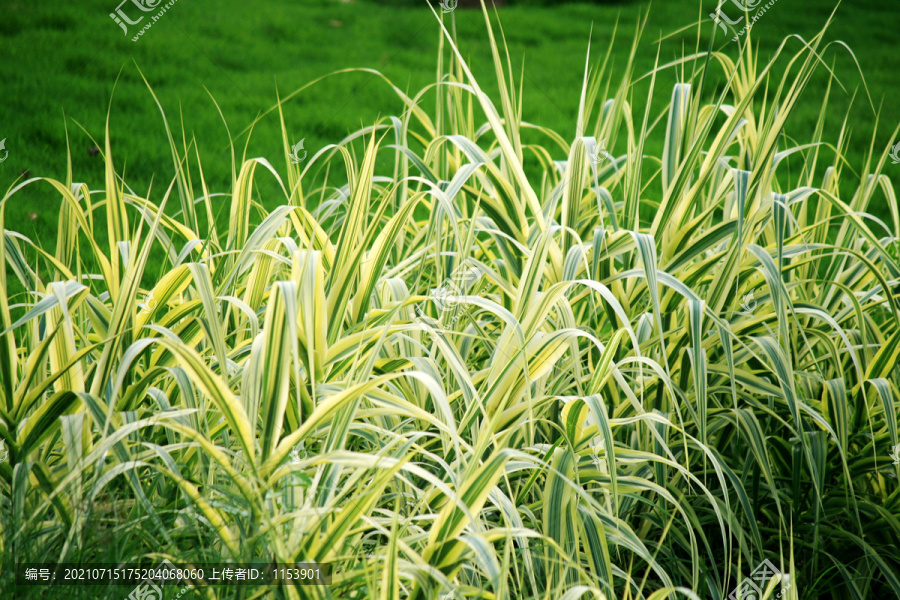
68, 65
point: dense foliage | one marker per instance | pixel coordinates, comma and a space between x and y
514, 363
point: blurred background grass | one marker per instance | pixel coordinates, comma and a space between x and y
67, 64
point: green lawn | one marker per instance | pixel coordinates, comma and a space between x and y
64, 63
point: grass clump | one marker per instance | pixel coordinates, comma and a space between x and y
514, 363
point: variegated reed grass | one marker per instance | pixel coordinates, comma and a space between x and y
629, 407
